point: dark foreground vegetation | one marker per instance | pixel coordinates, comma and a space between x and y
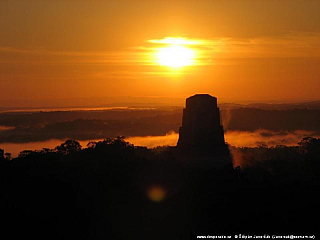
103, 192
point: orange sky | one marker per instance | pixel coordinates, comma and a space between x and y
250, 50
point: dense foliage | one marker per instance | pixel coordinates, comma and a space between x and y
103, 192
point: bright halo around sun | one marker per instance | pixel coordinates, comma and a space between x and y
174, 52
175, 56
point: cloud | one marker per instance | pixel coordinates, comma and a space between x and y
292, 44
4, 128
130, 63
213, 51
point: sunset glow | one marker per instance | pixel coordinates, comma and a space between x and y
175, 56
65, 54
148, 119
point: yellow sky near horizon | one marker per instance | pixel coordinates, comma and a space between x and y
244, 50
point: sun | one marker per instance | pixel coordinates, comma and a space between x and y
175, 56
175, 52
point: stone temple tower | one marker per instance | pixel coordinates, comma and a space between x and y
201, 135
201, 123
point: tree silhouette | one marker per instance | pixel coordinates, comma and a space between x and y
310, 144
8, 156
1, 154
25, 153
69, 146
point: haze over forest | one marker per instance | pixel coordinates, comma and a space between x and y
245, 126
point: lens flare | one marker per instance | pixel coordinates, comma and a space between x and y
156, 194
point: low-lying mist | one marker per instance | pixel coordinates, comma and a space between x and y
239, 139
170, 139
234, 138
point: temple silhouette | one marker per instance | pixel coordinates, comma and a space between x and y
201, 137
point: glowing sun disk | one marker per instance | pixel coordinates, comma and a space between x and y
175, 56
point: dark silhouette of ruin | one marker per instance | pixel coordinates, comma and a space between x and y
201, 123
201, 134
